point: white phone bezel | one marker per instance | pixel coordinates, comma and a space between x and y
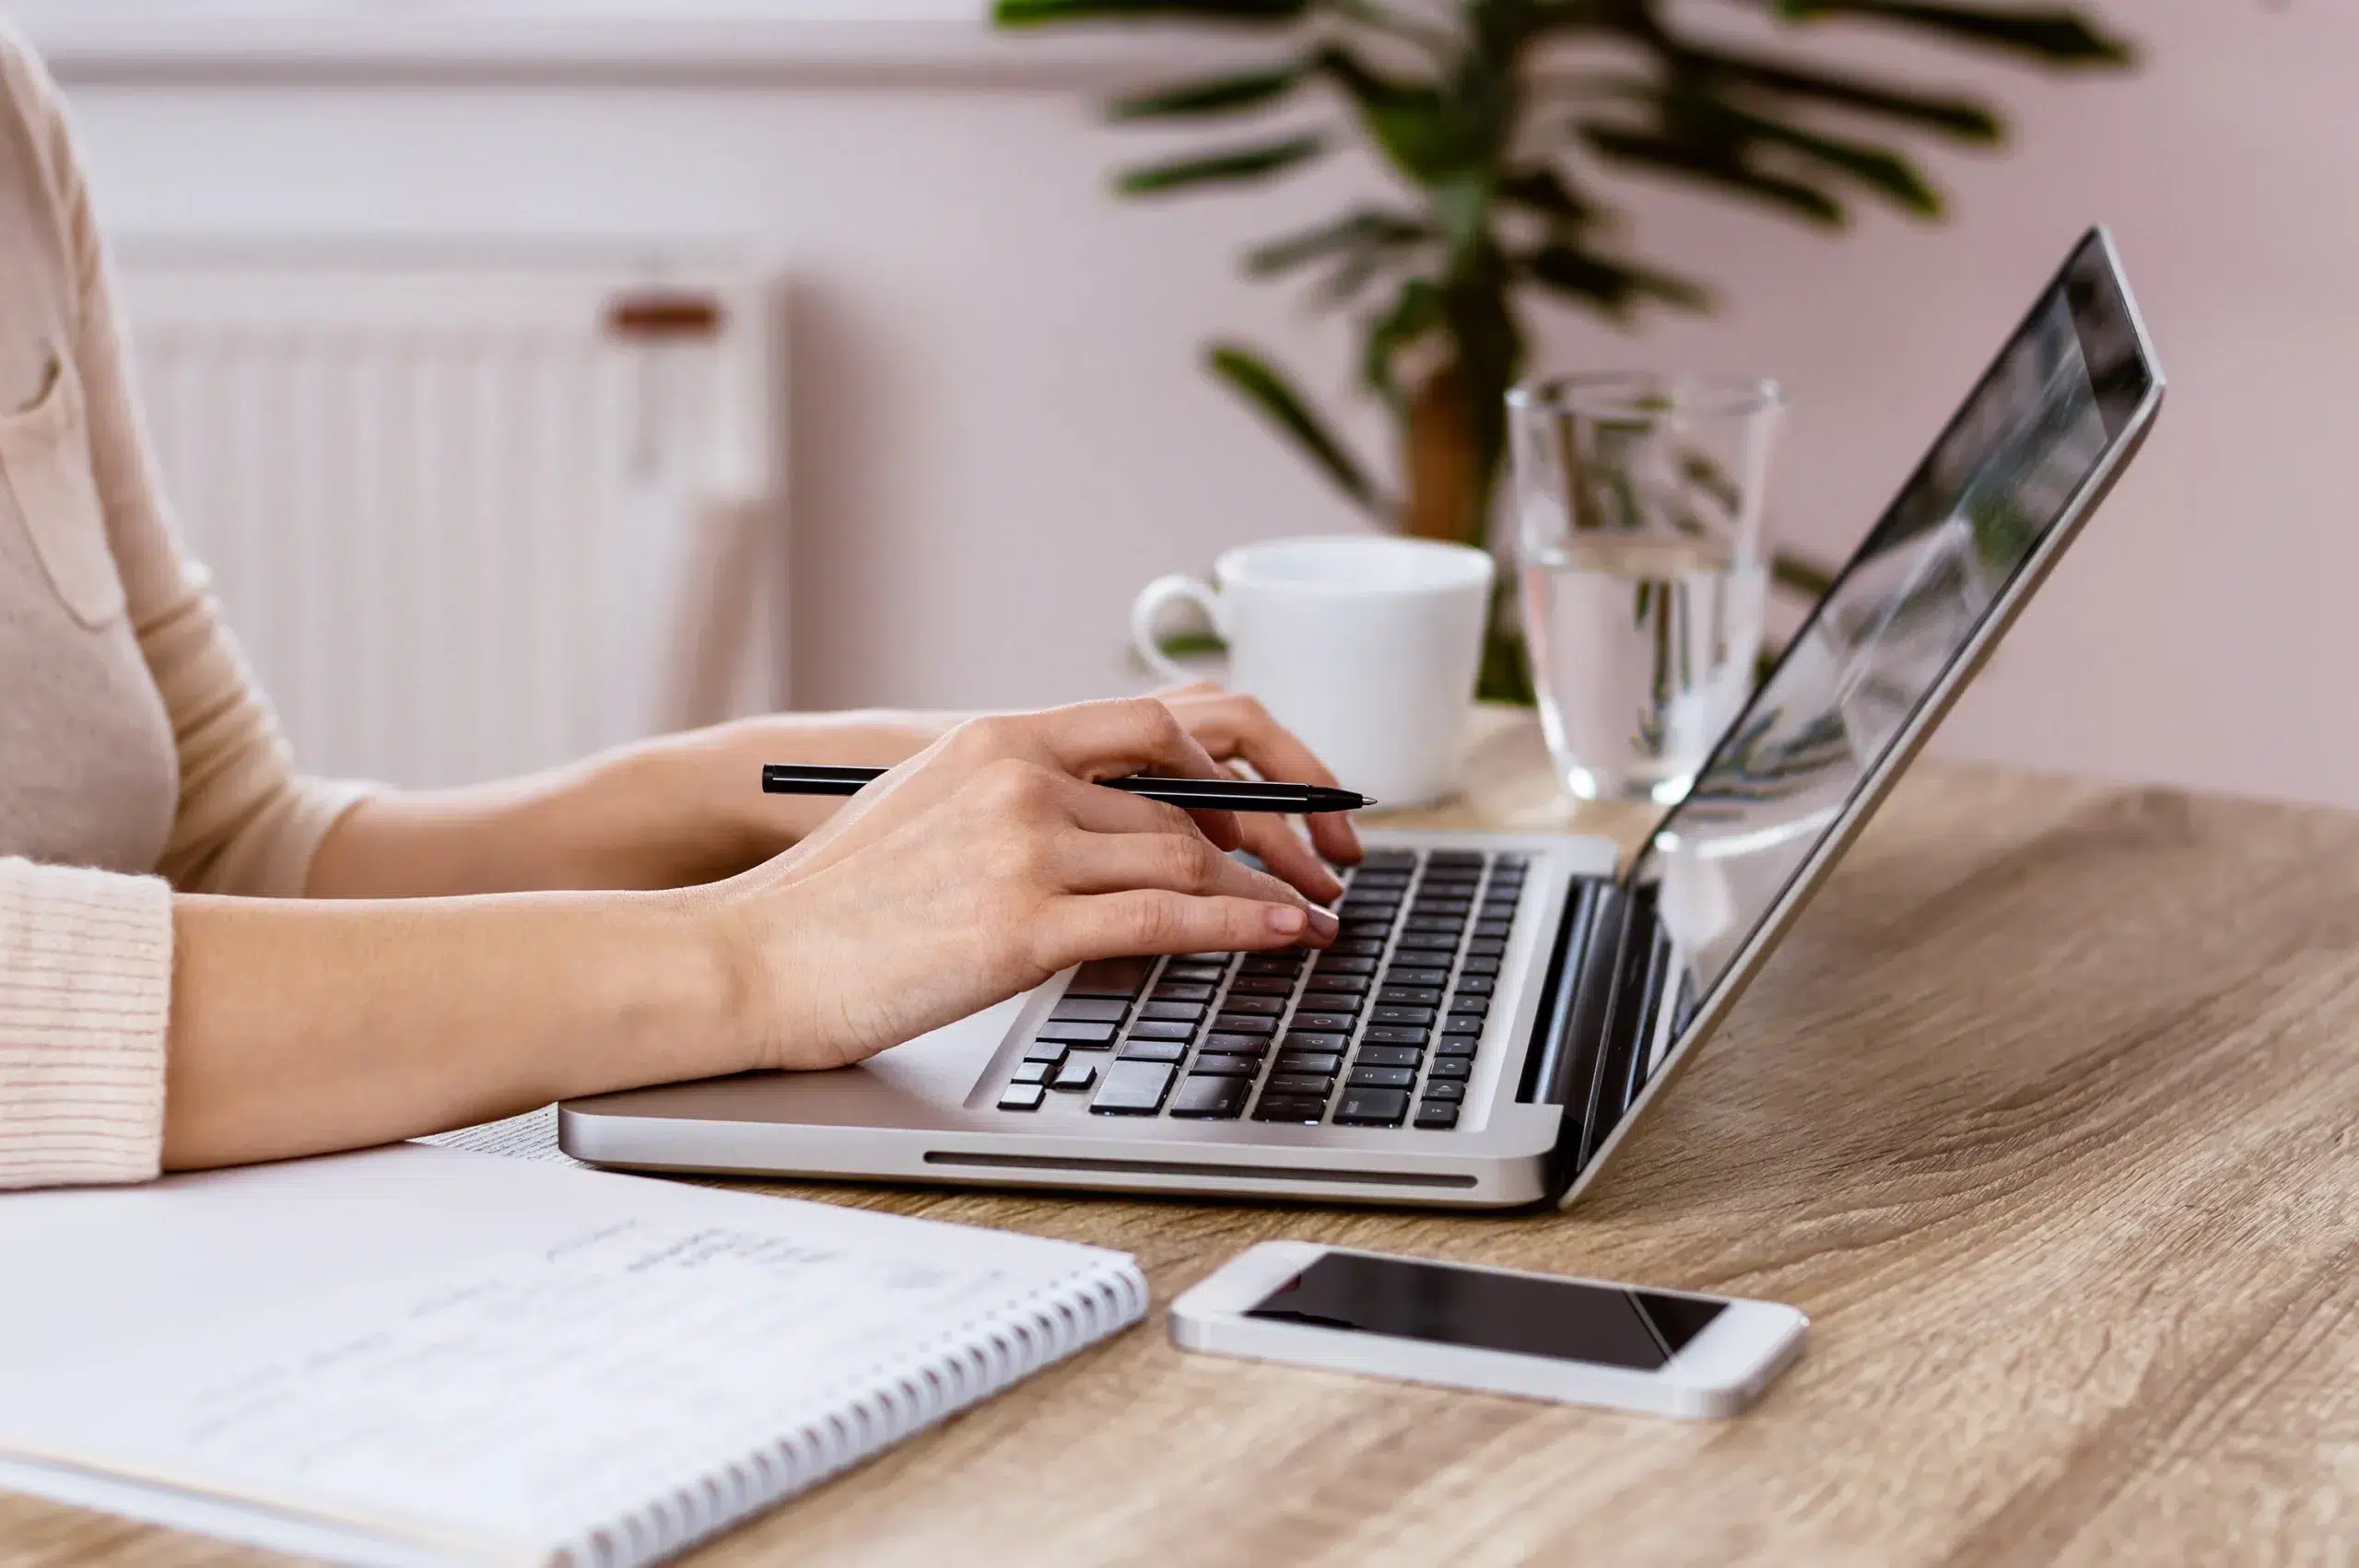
1715, 1374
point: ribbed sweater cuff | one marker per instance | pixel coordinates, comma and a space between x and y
86, 985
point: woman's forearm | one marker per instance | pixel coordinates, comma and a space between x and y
668, 812
299, 1027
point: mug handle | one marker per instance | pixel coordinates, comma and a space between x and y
1148, 609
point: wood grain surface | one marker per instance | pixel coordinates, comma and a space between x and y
2044, 1114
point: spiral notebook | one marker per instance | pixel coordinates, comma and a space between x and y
427, 1356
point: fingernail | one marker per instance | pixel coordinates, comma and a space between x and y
1324, 922
1285, 919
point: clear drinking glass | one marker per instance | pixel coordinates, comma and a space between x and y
1638, 502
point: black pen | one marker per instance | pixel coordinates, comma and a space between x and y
1192, 794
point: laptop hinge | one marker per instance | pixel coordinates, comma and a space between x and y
1611, 997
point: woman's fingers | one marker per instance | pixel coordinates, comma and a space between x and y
1147, 921
1232, 725
1108, 740
1269, 838
1274, 842
1181, 862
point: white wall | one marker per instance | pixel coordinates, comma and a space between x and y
1001, 429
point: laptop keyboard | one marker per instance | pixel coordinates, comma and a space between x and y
1378, 1030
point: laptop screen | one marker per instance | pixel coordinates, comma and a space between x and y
2029, 440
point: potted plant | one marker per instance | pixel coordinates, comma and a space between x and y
1502, 119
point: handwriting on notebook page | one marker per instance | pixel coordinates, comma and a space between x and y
611, 1358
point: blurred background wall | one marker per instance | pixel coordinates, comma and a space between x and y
999, 430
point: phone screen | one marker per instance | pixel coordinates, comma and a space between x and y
1558, 1318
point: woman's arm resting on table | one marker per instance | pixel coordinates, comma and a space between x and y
689, 808
973, 872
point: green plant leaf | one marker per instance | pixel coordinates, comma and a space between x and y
1268, 392
1960, 118
1214, 95
1883, 171
1543, 191
1714, 166
1424, 134
1222, 167
1799, 575
1366, 229
2059, 37
1033, 13
1611, 286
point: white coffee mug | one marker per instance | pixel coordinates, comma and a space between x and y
1367, 647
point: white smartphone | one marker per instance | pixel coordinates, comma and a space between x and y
1499, 1330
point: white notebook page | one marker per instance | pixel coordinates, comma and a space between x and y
487, 1355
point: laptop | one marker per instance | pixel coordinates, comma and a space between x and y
1498, 1011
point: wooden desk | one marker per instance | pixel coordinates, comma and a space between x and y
2045, 1114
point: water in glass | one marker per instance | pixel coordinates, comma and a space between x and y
1642, 652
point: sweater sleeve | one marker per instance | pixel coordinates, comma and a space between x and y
86, 958
246, 822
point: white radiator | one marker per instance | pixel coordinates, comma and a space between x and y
474, 517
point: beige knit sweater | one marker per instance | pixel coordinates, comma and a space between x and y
135, 755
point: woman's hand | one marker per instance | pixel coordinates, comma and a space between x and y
983, 865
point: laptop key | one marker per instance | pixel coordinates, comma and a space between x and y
1437, 1115
1272, 1005
1235, 1045
1486, 930
1355, 947
1486, 947
1394, 1034
1074, 1076
1332, 963
1415, 974
1409, 996
1180, 990
1427, 947
1022, 1098
1469, 1006
1090, 1009
1173, 1011
1119, 977
1262, 985
1162, 1029
1381, 1077
1454, 1045
1389, 1056
1445, 1090
1480, 963
1320, 1064
1210, 1099
1325, 1023
1372, 1108
1477, 985
1244, 1023
1401, 1015
1155, 1050
1050, 1051
1272, 964
1449, 1067
1315, 1040
1466, 1023
1290, 1107
1030, 1072
1098, 1035
1133, 1088
1300, 1084
1225, 1066
1332, 1001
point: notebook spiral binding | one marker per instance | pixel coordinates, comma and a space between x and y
963, 1367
